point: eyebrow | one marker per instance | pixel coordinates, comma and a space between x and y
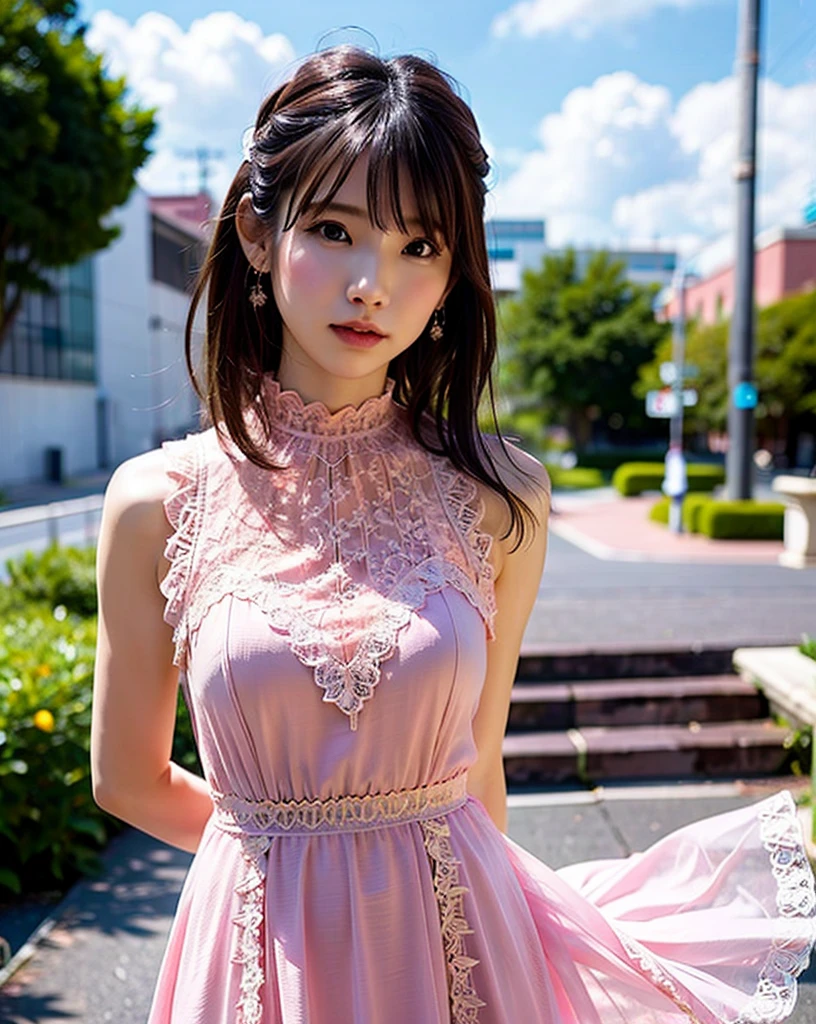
355, 211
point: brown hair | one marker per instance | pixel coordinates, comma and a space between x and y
404, 112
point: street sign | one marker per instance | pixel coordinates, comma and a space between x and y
745, 396
668, 372
662, 405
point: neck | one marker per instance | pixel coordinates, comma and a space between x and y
314, 384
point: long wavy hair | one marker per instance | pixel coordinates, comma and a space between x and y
404, 112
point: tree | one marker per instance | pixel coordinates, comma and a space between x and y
69, 147
572, 345
785, 370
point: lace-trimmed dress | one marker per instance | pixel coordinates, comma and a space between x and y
331, 622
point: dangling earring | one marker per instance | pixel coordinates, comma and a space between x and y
257, 296
438, 322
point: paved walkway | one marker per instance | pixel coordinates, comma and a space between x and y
100, 956
620, 529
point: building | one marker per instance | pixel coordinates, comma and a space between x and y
95, 373
514, 246
784, 263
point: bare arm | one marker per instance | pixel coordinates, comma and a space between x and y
135, 682
516, 587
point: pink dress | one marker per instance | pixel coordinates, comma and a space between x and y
331, 623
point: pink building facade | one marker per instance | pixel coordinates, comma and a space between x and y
785, 263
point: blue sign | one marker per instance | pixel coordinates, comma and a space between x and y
745, 396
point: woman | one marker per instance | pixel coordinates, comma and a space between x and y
350, 572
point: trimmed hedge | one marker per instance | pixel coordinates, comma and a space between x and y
577, 478
693, 506
743, 520
633, 478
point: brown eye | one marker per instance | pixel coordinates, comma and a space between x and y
430, 248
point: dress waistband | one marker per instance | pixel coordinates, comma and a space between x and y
236, 815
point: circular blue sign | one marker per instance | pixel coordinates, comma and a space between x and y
745, 396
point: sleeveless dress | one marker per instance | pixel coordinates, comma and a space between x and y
331, 622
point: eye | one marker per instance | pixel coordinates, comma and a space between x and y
330, 230
430, 248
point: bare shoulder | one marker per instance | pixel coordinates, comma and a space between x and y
134, 505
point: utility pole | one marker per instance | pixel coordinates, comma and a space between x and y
676, 484
741, 389
203, 155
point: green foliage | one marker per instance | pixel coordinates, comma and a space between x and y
58, 575
742, 520
69, 146
659, 512
808, 646
51, 829
633, 478
693, 505
574, 479
785, 370
570, 343
690, 513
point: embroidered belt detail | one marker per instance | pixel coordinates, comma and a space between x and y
449, 894
337, 814
255, 822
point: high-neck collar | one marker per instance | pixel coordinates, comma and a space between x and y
289, 413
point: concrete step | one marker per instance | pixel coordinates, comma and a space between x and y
596, 754
619, 661
618, 702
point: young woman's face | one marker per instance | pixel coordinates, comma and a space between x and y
336, 268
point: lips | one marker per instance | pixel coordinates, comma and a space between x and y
355, 337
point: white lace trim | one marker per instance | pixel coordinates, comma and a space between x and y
182, 509
349, 813
464, 1002
775, 996
432, 543
781, 835
250, 921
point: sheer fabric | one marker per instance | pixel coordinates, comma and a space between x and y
332, 622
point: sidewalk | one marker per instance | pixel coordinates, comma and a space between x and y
619, 529
98, 954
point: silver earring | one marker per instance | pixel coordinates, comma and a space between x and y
257, 296
437, 324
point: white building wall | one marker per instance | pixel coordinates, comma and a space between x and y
123, 354
140, 368
38, 414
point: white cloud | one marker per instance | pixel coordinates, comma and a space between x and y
619, 164
580, 17
207, 83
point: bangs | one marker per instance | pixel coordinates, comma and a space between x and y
394, 142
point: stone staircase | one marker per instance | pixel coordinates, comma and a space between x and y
617, 715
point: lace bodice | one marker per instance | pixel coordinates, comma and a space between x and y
339, 547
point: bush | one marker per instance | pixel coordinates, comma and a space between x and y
659, 512
577, 478
57, 575
693, 506
742, 520
51, 828
633, 478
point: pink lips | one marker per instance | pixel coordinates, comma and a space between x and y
358, 339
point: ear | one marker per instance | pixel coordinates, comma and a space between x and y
253, 234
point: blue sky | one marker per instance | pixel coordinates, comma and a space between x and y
614, 119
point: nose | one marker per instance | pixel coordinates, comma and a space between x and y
368, 286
